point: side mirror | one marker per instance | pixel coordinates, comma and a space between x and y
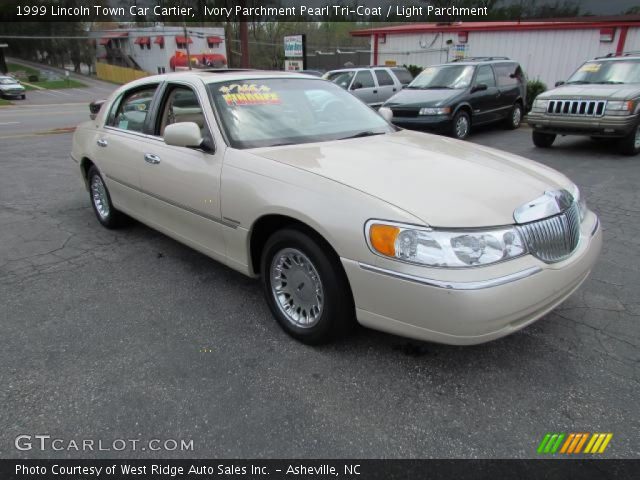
356, 86
479, 87
559, 82
386, 113
183, 134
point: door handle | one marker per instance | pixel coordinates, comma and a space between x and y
394, 89
102, 142
151, 158
375, 91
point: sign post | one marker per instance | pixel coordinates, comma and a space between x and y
295, 52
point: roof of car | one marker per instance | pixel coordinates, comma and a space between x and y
219, 75
617, 58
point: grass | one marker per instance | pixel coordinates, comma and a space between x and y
54, 84
47, 84
4, 102
20, 68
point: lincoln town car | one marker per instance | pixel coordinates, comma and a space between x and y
342, 216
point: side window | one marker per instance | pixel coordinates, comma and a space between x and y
383, 78
485, 75
133, 109
508, 74
112, 112
181, 105
364, 78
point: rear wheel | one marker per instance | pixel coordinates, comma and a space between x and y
514, 119
543, 140
630, 145
461, 125
306, 287
107, 215
23, 97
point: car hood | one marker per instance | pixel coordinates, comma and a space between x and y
423, 98
593, 91
11, 86
444, 182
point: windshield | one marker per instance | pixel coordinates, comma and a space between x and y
444, 76
7, 81
282, 111
342, 79
612, 71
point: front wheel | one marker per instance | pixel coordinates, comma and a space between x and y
461, 125
306, 287
630, 145
543, 140
514, 119
107, 215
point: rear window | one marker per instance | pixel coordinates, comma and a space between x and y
403, 75
508, 74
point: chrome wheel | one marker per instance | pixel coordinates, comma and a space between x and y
516, 118
296, 287
100, 197
462, 126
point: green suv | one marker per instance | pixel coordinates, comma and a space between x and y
601, 100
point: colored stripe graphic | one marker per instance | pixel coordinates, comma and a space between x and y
573, 443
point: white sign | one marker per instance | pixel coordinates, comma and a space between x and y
293, 65
293, 46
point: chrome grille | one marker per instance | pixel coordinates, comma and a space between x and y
580, 108
555, 238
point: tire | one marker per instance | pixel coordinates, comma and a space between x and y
514, 119
100, 198
458, 128
308, 276
543, 140
630, 145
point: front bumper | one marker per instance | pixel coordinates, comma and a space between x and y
12, 93
468, 306
424, 122
606, 126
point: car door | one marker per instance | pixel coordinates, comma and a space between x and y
386, 86
485, 102
118, 145
183, 184
508, 76
364, 87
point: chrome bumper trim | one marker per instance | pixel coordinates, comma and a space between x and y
595, 227
477, 285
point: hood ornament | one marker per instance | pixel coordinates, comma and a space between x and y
551, 203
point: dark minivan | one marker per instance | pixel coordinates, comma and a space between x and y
452, 97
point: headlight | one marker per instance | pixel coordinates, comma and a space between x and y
435, 111
539, 105
440, 248
619, 108
582, 203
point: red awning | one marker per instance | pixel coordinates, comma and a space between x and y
181, 39
159, 40
143, 41
104, 41
214, 39
111, 35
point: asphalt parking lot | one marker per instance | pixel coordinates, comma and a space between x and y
130, 335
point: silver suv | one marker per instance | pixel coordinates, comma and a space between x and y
601, 100
372, 85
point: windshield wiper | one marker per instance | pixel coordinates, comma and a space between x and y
577, 82
367, 133
610, 82
439, 86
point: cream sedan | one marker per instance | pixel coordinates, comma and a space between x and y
291, 179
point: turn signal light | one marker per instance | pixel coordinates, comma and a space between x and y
383, 238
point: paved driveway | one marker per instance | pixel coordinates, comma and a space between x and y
128, 334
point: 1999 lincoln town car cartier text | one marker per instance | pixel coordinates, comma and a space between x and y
342, 215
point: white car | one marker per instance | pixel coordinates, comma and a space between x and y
11, 88
341, 215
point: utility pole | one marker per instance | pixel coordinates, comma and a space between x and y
244, 39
